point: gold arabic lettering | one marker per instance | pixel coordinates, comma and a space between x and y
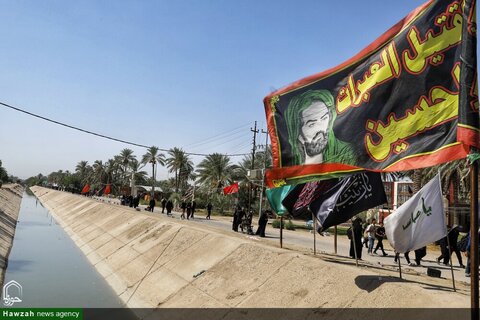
440, 107
357, 92
431, 48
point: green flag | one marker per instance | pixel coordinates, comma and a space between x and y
275, 197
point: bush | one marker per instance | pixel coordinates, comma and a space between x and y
286, 225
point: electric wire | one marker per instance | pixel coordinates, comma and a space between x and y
235, 135
233, 139
218, 136
98, 134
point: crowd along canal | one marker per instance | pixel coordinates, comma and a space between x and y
50, 268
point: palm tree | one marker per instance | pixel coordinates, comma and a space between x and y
83, 170
136, 174
98, 172
215, 171
153, 156
179, 163
125, 157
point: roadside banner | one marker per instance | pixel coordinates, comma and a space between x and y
408, 100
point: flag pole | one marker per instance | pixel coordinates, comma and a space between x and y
281, 231
354, 245
474, 239
335, 239
314, 233
399, 265
450, 259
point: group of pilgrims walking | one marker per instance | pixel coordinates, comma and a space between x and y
366, 234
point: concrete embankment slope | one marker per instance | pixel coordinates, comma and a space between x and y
154, 261
10, 199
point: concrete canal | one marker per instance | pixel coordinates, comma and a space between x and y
51, 269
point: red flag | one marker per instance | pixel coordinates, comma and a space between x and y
107, 189
86, 188
231, 189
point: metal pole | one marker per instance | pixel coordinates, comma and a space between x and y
450, 259
255, 131
354, 245
314, 233
335, 239
281, 231
263, 171
399, 265
474, 240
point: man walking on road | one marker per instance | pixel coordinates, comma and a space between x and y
380, 235
371, 236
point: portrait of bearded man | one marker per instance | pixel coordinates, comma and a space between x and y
310, 117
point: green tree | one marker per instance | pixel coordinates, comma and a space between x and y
125, 157
154, 157
215, 171
179, 163
84, 171
139, 176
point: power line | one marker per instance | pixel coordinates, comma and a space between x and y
218, 136
101, 135
242, 137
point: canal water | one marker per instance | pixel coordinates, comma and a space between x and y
50, 268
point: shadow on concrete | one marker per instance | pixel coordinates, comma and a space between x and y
370, 283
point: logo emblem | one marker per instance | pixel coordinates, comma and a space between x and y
12, 292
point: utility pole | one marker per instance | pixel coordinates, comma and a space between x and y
255, 131
265, 153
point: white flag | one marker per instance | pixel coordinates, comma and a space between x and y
419, 221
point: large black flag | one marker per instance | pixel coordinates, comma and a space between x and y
334, 201
350, 196
299, 198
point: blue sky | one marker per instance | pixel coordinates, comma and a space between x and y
164, 73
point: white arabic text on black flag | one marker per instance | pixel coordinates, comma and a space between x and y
419, 221
348, 197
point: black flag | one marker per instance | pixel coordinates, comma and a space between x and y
347, 197
299, 198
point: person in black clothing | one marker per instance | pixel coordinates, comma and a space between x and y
380, 235
184, 207
151, 204
453, 239
164, 203
419, 254
355, 233
194, 205
236, 219
189, 210
209, 210
169, 206
136, 201
445, 256
130, 201
262, 223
